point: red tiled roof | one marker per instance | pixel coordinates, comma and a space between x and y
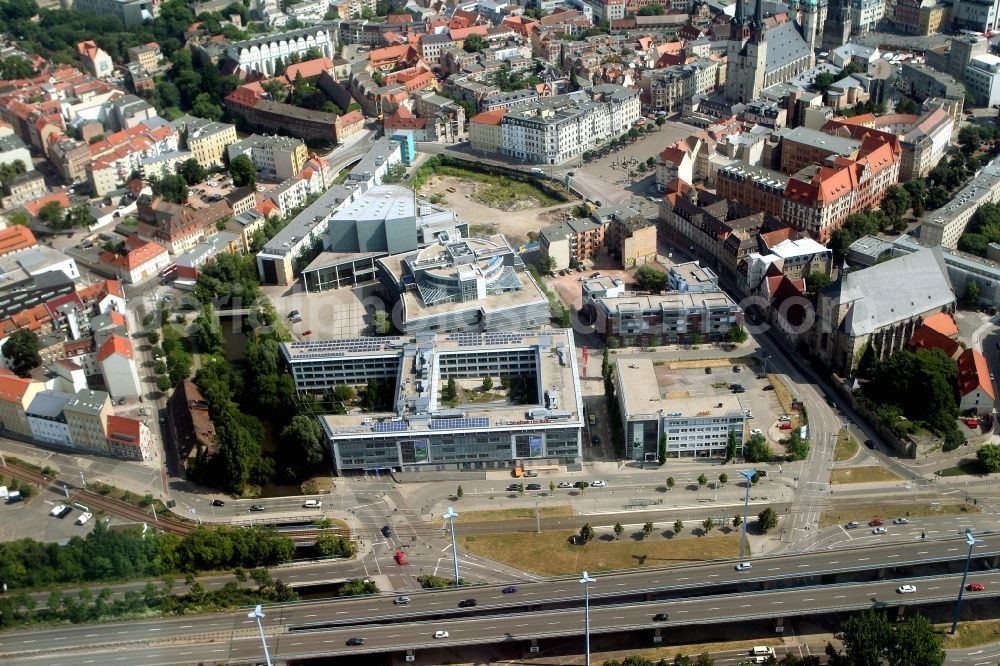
36, 205
99, 290
124, 430
140, 252
12, 387
15, 238
974, 373
494, 117
116, 344
308, 69
943, 323
926, 337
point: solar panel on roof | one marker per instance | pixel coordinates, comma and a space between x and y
474, 422
390, 426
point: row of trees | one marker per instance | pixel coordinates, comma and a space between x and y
107, 555
767, 520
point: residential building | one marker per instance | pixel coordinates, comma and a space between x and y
881, 306
462, 284
571, 242
921, 17
12, 149
975, 384
925, 144
946, 225
262, 54
693, 427
16, 239
16, 394
756, 187
484, 131
128, 438
976, 15
141, 261
249, 103
866, 15
983, 76
631, 239
46, 418
95, 59
206, 140
922, 82
802, 147
276, 157
191, 423
133, 13
675, 163
540, 427
146, 56
87, 420
116, 359
667, 318
23, 188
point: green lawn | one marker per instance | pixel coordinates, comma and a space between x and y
966, 467
971, 634
866, 474
847, 446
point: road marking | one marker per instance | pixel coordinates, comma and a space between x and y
808, 600
932, 588
183, 626
746, 605
155, 629
773, 569
33, 640
863, 559
839, 596
616, 617
778, 603
834, 562
311, 615
92, 635
711, 609
59, 638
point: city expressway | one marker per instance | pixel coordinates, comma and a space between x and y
335, 620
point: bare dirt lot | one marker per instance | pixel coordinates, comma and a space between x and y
515, 225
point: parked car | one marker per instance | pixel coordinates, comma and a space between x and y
595, 440
84, 517
708, 371
513, 488
56, 509
510, 589
256, 507
853, 524
736, 368
312, 504
784, 417
972, 423
400, 557
756, 431
533, 486
564, 484
386, 531
875, 522
769, 387
906, 589
870, 444
785, 426
597, 484
661, 617
531, 473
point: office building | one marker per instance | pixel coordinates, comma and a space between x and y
983, 76
946, 225
571, 242
694, 427
667, 318
536, 422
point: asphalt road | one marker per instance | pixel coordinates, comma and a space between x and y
187, 630
245, 646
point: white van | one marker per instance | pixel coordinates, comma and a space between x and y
313, 504
762, 651
84, 517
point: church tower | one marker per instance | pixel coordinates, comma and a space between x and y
837, 26
810, 28
747, 55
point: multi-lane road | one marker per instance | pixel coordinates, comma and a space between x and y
203, 635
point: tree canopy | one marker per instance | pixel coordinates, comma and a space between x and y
243, 171
869, 639
21, 352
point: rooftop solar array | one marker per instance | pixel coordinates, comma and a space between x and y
390, 426
475, 422
322, 348
481, 339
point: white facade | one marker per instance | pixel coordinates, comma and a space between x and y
865, 15
120, 376
262, 54
983, 76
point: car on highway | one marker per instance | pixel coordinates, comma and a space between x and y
661, 617
533, 486
564, 484
708, 371
743, 566
400, 557
440, 634
401, 601
386, 531
531, 473
256, 507
975, 587
218, 502
467, 603
906, 589
853, 524
768, 387
510, 589
598, 484
880, 530
875, 522
514, 487
356, 640
312, 504
900, 521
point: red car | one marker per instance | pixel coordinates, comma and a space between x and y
400, 557
972, 423
975, 587
877, 522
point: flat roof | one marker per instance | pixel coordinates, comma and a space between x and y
381, 202
643, 394
674, 300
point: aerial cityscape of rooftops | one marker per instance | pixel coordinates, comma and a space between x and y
624, 332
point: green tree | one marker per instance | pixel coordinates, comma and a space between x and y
678, 526
329, 544
865, 638
474, 43
208, 332
16, 67
619, 530
702, 480
460, 492
173, 188
647, 528
823, 81
757, 449
661, 452
344, 393
21, 352
192, 171
972, 293
989, 456
736, 335
767, 519
487, 383
163, 382
276, 88
381, 322
19, 218
303, 445
243, 171
153, 337
732, 444
670, 483
586, 533
723, 479
707, 524
231, 280
51, 214
450, 393
737, 521
796, 446
651, 280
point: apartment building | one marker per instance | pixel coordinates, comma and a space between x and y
540, 425
262, 54
802, 147
16, 394
571, 242
206, 140
249, 102
631, 239
668, 318
128, 438
147, 56
484, 131
143, 260
922, 82
87, 420
276, 157
983, 76
946, 225
696, 427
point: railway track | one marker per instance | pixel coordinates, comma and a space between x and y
164, 521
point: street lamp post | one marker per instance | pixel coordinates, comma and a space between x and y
538, 518
450, 516
747, 474
586, 580
257, 614
972, 541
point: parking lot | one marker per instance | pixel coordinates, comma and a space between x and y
31, 519
338, 313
